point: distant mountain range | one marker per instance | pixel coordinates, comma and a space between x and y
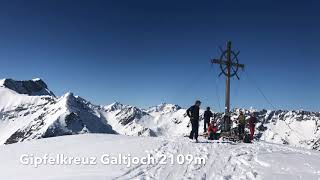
29, 110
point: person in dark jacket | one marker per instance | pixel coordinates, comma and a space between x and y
193, 114
252, 124
207, 115
241, 124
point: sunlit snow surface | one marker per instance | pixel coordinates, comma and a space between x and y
223, 160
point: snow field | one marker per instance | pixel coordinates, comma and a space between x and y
255, 161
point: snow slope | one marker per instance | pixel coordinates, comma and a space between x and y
222, 160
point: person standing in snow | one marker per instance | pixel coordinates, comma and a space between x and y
207, 115
193, 114
241, 124
252, 124
226, 123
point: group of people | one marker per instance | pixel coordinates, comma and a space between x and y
242, 122
210, 121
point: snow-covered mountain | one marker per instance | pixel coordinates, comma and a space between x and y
163, 108
29, 110
297, 128
164, 119
35, 113
127, 120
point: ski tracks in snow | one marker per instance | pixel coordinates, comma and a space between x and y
215, 166
223, 161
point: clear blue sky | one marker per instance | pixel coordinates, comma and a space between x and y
147, 52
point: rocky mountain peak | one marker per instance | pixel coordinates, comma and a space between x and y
35, 87
114, 106
164, 108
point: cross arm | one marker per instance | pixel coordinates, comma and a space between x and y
218, 61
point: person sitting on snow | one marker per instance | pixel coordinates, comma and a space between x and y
212, 131
207, 115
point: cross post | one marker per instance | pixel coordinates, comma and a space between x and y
226, 61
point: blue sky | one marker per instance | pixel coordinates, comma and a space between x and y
147, 52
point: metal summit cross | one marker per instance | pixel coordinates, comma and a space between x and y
229, 65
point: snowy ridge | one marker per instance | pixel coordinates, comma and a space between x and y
297, 128
161, 120
25, 117
65, 116
163, 108
127, 119
35, 87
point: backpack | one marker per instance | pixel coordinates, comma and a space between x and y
246, 138
252, 121
242, 119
